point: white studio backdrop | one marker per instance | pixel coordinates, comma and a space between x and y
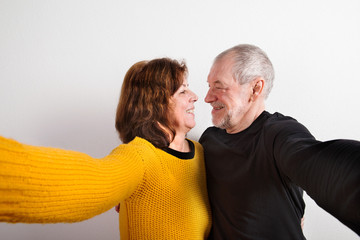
62, 64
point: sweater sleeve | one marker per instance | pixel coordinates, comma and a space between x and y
328, 171
49, 185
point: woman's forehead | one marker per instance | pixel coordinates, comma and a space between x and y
185, 82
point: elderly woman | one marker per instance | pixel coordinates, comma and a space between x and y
157, 174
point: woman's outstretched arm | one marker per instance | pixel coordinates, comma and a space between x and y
49, 185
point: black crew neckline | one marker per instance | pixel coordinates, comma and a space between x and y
253, 125
182, 155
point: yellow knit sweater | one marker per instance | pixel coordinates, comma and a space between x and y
161, 196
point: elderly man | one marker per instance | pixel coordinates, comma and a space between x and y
258, 163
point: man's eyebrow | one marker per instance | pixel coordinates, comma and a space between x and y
217, 82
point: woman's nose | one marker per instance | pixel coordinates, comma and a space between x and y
194, 97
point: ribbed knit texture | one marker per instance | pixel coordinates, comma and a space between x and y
162, 197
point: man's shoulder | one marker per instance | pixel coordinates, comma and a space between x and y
210, 131
279, 116
279, 123
278, 119
213, 129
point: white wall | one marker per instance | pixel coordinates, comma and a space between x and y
62, 64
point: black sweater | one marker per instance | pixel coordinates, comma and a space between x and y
255, 179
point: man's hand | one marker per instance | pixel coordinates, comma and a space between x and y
302, 220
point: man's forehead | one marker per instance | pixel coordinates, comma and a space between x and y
223, 78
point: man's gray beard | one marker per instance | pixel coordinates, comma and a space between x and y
224, 122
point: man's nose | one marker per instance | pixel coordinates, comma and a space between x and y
209, 97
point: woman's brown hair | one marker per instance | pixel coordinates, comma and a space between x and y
143, 108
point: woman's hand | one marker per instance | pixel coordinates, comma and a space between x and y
117, 208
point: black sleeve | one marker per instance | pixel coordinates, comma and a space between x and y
328, 171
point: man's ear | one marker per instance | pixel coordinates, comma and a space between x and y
257, 87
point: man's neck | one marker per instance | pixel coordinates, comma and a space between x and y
253, 113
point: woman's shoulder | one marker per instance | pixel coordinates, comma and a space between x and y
137, 147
